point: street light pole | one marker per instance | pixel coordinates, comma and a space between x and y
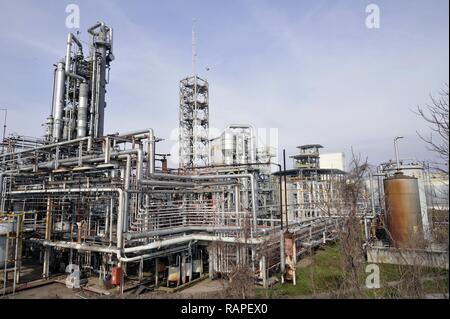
396, 151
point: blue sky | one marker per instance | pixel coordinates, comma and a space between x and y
309, 68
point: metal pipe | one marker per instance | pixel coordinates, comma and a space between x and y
131, 236
74, 245
252, 137
4, 128
396, 151
72, 38
150, 134
59, 102
285, 190
193, 237
62, 143
83, 110
95, 26
372, 195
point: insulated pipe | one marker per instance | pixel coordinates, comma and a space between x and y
75, 245
127, 187
206, 177
46, 147
107, 145
130, 236
93, 93
121, 209
82, 110
2, 209
184, 239
76, 141
101, 44
155, 254
71, 38
95, 26
252, 137
111, 39
372, 195
88, 247
202, 237
167, 183
90, 159
58, 101
151, 145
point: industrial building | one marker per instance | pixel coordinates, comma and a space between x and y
80, 199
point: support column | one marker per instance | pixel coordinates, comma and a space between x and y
263, 271
48, 229
156, 272
141, 270
282, 261
294, 260
211, 264
183, 269
179, 270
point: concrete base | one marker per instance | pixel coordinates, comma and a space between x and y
390, 255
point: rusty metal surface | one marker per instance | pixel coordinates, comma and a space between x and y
404, 221
289, 254
173, 273
288, 244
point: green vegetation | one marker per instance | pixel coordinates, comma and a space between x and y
320, 276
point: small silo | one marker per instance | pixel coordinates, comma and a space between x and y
5, 252
403, 213
228, 147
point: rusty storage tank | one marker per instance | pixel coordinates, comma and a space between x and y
403, 213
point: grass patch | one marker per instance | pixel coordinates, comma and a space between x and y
323, 276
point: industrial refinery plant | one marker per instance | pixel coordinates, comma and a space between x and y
107, 215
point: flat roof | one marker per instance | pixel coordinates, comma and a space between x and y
306, 146
309, 171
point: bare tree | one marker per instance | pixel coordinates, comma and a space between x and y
241, 276
351, 237
436, 114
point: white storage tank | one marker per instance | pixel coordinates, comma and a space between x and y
228, 147
5, 228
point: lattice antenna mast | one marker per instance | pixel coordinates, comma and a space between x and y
195, 123
194, 49
194, 115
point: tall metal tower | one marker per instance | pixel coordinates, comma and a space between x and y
194, 117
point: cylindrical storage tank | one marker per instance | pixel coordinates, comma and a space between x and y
197, 266
5, 228
173, 273
188, 270
228, 147
83, 110
403, 213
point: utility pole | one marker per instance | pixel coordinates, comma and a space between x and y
285, 190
